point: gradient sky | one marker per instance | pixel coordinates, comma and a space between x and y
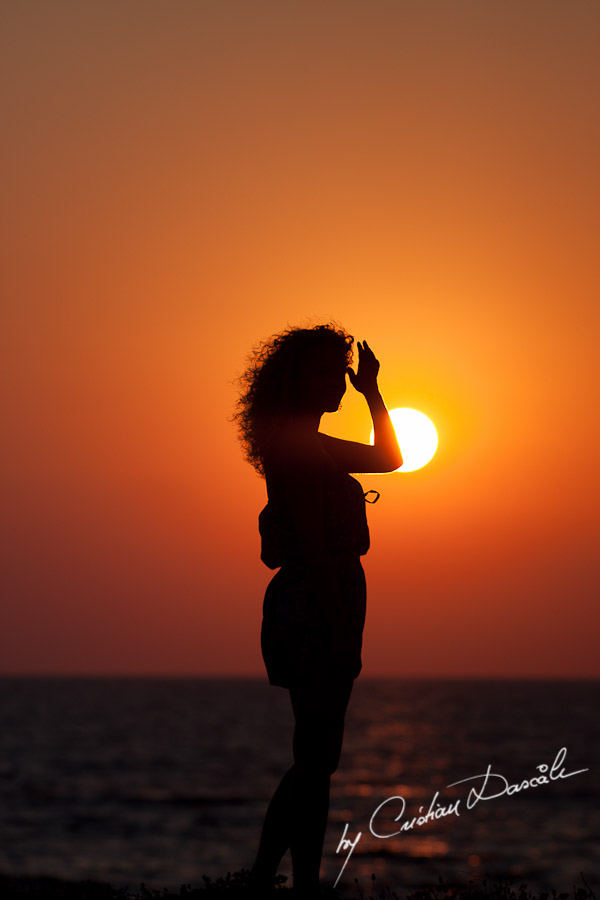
182, 180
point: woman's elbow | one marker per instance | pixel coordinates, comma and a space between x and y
394, 464
389, 462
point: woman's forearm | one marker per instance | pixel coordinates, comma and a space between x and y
386, 441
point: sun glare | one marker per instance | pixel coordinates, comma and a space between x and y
416, 435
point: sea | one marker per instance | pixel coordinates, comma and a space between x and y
163, 781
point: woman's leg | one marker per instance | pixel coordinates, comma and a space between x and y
274, 840
319, 710
297, 815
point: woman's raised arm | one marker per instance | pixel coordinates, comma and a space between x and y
382, 456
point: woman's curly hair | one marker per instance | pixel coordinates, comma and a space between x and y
269, 382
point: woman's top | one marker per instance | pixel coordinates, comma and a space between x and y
346, 529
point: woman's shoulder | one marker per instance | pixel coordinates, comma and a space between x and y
292, 450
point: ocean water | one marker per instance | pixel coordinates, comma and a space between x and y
164, 780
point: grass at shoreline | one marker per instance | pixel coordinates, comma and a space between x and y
234, 885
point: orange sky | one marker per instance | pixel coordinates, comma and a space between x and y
183, 180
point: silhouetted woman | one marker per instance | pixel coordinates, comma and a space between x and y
314, 529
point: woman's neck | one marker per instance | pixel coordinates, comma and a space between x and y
308, 420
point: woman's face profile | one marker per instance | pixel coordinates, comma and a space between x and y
322, 380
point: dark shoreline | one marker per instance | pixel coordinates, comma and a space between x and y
235, 885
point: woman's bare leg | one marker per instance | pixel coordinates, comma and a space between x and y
297, 815
275, 839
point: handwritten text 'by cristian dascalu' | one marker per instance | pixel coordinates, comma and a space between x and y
491, 786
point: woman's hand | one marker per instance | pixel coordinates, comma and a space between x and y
365, 379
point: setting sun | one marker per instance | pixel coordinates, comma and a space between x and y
416, 435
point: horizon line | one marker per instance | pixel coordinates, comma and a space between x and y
262, 677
